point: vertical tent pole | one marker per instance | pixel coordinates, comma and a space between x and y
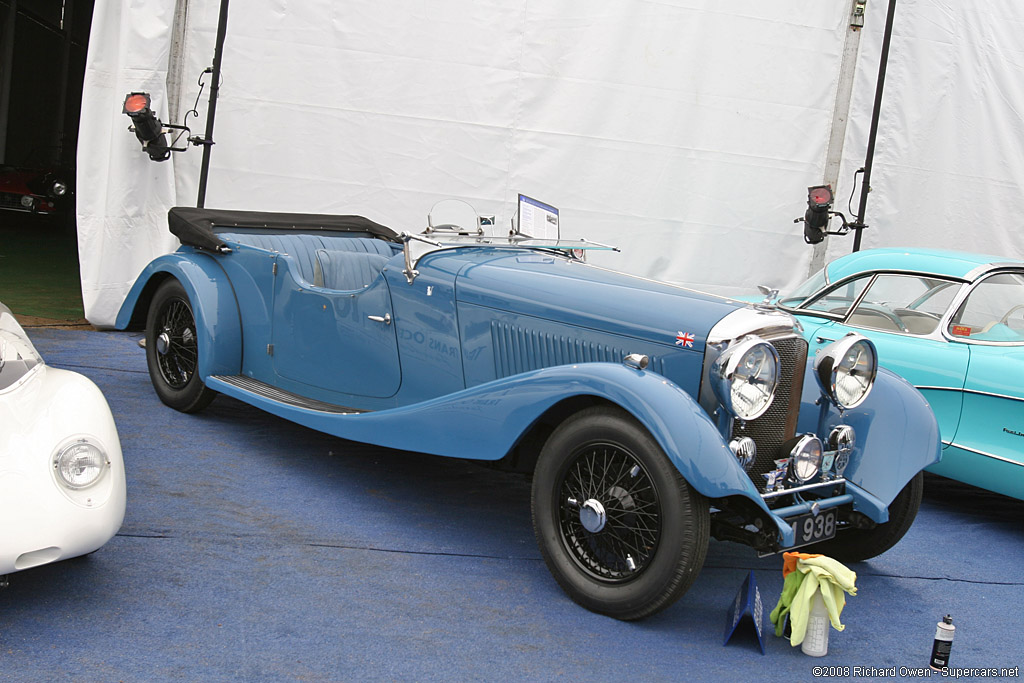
211, 112
858, 225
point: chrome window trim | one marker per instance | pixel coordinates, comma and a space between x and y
962, 296
989, 268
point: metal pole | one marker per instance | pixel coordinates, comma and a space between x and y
858, 225
65, 155
840, 117
211, 112
6, 61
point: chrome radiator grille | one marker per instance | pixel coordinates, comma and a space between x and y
777, 425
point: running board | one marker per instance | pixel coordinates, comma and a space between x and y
272, 393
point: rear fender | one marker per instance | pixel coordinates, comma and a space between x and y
218, 326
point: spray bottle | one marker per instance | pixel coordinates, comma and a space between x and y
816, 639
943, 643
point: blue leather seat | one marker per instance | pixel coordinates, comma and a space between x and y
335, 269
303, 247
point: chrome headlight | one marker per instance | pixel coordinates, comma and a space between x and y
80, 464
805, 458
846, 370
744, 377
58, 189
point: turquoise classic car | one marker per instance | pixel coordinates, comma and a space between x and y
950, 323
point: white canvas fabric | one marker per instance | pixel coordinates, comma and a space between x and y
684, 132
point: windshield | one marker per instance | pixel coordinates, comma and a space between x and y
809, 287
17, 355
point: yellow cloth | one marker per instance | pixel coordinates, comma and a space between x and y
812, 573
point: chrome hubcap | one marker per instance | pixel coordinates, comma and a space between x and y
163, 343
593, 516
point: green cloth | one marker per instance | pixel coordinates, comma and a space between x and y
812, 575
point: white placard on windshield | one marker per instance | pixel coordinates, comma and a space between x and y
537, 219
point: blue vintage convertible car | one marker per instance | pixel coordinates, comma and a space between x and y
952, 324
651, 416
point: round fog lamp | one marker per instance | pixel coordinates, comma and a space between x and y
805, 458
59, 189
27, 201
745, 451
80, 464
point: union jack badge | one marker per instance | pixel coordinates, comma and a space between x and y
684, 339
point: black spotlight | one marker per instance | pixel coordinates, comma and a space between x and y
819, 203
147, 126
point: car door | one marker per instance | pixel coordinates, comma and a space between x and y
339, 340
901, 313
990, 324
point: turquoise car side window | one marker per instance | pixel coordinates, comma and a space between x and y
908, 304
993, 311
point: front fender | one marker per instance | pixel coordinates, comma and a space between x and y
218, 324
897, 434
486, 421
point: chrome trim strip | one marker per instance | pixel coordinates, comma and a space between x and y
970, 391
805, 487
987, 455
989, 267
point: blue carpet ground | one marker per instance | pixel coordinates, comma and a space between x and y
254, 549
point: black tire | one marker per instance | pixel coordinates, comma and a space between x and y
608, 463
856, 545
172, 350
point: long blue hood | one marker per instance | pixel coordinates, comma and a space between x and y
587, 296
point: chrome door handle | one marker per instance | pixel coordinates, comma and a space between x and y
386, 318
822, 340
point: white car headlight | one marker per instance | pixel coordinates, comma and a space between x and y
744, 377
80, 464
846, 370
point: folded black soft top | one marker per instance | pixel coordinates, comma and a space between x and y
194, 227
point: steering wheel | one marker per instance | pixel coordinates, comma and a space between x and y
1005, 318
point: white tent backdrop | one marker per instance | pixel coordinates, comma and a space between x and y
685, 132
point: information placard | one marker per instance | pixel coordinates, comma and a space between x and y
537, 219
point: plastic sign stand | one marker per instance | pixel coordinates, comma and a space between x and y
747, 602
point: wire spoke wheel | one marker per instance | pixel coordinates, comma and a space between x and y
619, 528
176, 345
172, 350
619, 546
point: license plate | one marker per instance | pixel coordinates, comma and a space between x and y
811, 529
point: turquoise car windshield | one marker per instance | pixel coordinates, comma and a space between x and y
809, 287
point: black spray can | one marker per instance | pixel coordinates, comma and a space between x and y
943, 643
